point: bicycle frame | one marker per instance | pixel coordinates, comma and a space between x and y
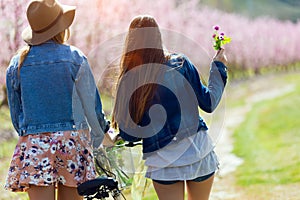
99, 188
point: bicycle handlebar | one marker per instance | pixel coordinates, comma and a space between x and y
129, 144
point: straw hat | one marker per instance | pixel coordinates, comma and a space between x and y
46, 18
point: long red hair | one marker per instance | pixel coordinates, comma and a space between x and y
143, 45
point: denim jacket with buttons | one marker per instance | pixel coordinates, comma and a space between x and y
206, 97
54, 91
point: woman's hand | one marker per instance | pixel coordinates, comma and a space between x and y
220, 56
107, 141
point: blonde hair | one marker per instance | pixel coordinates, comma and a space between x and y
60, 38
134, 55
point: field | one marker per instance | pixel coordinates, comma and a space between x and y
259, 149
267, 140
263, 116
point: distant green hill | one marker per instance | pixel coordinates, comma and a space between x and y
281, 9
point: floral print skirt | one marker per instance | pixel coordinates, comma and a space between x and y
63, 157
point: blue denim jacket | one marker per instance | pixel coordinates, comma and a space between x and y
54, 91
206, 97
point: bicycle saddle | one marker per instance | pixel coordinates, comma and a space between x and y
92, 186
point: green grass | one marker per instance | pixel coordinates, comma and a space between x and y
5, 122
6, 151
107, 104
268, 140
7, 148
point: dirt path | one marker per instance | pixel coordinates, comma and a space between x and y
224, 187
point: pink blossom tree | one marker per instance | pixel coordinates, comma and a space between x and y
100, 27
259, 43
11, 24
12, 18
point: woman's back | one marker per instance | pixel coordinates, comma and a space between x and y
46, 85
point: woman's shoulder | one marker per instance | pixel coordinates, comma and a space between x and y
179, 57
76, 50
178, 60
76, 53
13, 65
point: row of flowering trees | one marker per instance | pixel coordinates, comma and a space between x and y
256, 43
100, 27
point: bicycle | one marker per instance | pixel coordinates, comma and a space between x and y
112, 177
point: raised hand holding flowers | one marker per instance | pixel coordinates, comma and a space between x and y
219, 39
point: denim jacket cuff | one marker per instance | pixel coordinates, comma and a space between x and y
222, 70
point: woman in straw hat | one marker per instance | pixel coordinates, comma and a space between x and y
53, 100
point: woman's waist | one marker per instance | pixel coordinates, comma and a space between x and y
185, 151
167, 135
41, 127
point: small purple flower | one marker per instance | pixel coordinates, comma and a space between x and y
219, 38
216, 28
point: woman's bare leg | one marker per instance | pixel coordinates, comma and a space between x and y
199, 190
67, 193
41, 192
169, 192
